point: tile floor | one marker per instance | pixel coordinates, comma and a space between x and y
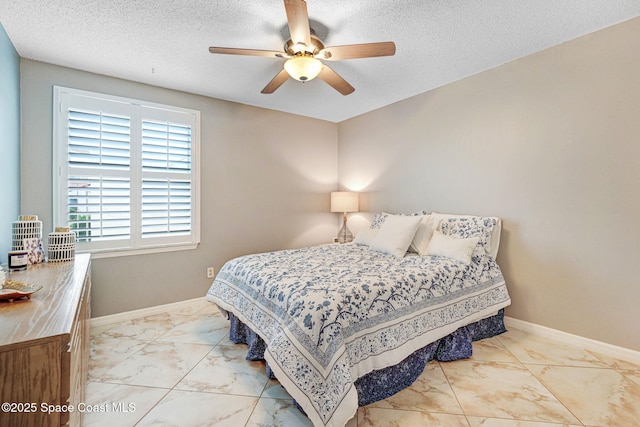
180, 369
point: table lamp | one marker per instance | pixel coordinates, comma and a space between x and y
344, 201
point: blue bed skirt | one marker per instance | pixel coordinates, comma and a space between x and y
381, 384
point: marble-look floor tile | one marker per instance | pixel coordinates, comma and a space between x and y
501, 422
632, 375
602, 397
277, 413
532, 349
146, 328
157, 365
118, 404
191, 307
503, 390
195, 409
180, 368
613, 362
431, 392
274, 390
106, 352
492, 350
97, 330
225, 370
380, 417
207, 309
198, 330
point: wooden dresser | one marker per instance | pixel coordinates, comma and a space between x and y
44, 346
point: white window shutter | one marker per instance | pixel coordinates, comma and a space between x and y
128, 170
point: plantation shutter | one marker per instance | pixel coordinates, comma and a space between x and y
99, 187
127, 173
166, 182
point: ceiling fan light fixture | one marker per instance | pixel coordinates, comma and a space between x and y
303, 68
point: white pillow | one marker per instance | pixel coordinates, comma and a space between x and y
365, 236
378, 219
395, 234
490, 237
452, 247
423, 234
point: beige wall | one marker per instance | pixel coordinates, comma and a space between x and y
550, 143
266, 181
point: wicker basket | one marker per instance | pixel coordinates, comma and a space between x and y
62, 246
25, 230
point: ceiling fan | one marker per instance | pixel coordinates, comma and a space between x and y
304, 51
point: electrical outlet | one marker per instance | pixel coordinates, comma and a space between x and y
210, 272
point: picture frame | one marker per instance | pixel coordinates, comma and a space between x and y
35, 252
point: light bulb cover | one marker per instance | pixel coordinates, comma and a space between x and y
303, 68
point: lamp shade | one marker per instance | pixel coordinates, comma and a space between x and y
303, 68
344, 201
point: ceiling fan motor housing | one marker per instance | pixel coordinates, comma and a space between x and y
294, 49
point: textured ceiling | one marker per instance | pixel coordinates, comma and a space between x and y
165, 43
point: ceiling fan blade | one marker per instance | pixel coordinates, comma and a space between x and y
335, 81
298, 20
353, 51
249, 52
276, 82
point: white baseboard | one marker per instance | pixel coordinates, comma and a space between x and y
149, 311
576, 340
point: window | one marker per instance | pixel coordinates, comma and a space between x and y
125, 173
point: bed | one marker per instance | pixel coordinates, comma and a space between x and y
344, 325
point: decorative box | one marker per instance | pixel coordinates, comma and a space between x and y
25, 230
62, 246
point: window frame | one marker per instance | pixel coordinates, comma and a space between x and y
138, 111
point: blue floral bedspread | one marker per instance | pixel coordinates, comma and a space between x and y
331, 314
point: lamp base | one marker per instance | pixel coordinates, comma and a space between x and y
345, 235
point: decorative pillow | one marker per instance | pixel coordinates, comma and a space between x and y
423, 234
395, 234
465, 226
378, 219
365, 236
456, 248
